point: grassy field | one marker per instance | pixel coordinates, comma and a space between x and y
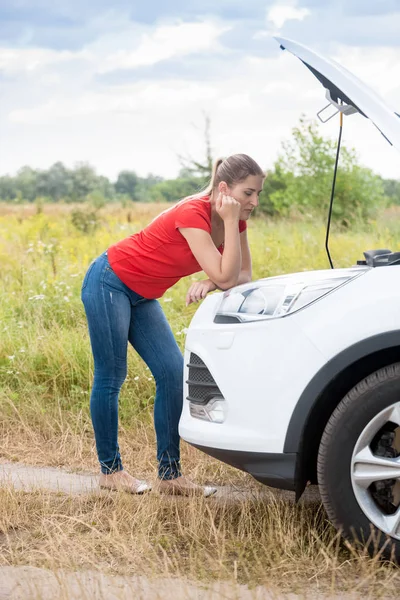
46, 371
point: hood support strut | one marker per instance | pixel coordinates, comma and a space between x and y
333, 190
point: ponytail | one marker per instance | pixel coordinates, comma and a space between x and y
211, 185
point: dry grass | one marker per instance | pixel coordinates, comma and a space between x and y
46, 372
272, 543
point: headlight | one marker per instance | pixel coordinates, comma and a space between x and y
279, 296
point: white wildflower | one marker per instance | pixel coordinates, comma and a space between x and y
66, 298
22, 350
11, 357
167, 299
136, 378
37, 297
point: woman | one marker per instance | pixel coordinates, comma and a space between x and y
120, 290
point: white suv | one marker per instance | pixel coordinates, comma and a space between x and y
297, 378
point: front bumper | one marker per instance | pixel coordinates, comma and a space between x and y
274, 470
259, 369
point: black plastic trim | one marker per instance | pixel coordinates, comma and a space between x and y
214, 393
321, 380
208, 384
275, 470
226, 319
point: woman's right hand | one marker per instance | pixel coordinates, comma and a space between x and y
227, 207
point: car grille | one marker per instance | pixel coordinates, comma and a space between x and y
202, 385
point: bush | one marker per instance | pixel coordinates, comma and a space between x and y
85, 221
302, 180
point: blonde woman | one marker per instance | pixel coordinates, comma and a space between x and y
206, 232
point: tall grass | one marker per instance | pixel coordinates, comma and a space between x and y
46, 371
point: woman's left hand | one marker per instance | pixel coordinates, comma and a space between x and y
199, 290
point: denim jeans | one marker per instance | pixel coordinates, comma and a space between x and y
116, 314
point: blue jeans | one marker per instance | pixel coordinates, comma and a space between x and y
116, 314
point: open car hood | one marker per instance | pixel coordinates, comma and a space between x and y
341, 85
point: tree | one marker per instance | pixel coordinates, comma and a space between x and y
302, 179
173, 190
84, 181
8, 190
26, 183
143, 190
192, 168
392, 190
105, 187
127, 183
55, 183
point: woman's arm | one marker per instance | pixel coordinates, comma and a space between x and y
222, 269
246, 271
200, 289
245, 274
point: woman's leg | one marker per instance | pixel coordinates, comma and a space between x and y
151, 336
108, 312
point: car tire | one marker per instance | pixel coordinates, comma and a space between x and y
352, 503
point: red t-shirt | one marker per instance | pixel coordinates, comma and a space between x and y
153, 260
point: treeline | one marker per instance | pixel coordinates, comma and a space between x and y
299, 181
82, 183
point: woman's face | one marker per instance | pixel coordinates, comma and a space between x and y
246, 193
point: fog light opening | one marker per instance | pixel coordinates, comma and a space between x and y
214, 411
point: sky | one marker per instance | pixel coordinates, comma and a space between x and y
126, 85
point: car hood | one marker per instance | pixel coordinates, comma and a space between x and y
345, 86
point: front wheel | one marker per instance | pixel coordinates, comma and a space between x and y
359, 463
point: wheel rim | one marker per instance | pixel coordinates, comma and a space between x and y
375, 471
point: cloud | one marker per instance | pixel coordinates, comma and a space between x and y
125, 85
331, 24
197, 67
131, 100
15, 60
73, 24
166, 42
278, 14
